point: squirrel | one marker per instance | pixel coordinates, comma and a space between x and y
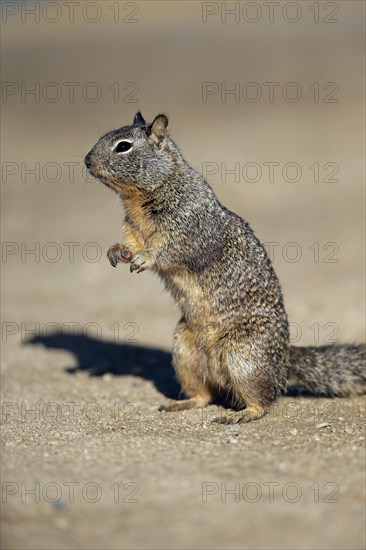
233, 335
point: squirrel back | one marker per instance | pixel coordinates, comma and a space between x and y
233, 336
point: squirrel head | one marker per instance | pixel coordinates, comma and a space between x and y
139, 155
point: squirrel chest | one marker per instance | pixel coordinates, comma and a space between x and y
140, 226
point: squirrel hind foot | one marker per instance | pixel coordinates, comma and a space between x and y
253, 412
178, 406
193, 403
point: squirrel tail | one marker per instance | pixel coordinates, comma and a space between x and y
334, 370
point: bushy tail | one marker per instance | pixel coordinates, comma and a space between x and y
336, 370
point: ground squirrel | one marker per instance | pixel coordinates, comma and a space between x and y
233, 336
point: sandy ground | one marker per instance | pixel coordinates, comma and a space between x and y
88, 461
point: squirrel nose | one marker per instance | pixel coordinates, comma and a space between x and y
87, 160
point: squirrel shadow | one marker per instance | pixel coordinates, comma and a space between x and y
98, 357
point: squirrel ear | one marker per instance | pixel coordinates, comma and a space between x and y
158, 127
139, 120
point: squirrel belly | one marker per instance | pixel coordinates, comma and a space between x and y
233, 336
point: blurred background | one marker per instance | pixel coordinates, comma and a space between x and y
267, 100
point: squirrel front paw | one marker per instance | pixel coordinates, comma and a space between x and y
118, 253
141, 261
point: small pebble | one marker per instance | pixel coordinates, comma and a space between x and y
232, 431
61, 505
293, 431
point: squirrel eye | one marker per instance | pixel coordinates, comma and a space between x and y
123, 147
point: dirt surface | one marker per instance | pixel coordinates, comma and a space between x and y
88, 461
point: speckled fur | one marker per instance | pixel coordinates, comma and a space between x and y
233, 336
